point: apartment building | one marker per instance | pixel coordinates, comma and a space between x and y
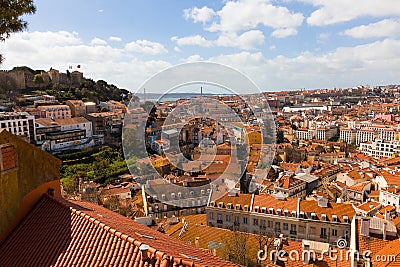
347, 135
55, 135
304, 134
21, 124
296, 219
55, 111
326, 133
365, 135
380, 148
289, 186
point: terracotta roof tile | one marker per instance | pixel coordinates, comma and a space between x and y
58, 232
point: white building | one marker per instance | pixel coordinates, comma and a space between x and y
380, 148
365, 135
347, 135
390, 197
19, 123
304, 134
325, 133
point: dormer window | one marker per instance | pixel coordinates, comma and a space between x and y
237, 207
346, 219
286, 213
246, 207
334, 218
212, 204
324, 217
179, 194
301, 215
163, 196
278, 212
294, 213
271, 210
221, 204
256, 209
313, 216
264, 210
202, 191
173, 195
230, 206
191, 193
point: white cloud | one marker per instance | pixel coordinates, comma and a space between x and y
177, 49
192, 40
248, 40
115, 39
42, 50
204, 14
146, 47
331, 12
192, 58
383, 28
98, 41
272, 47
242, 15
373, 63
284, 32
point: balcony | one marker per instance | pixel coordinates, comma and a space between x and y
323, 236
236, 223
293, 232
219, 221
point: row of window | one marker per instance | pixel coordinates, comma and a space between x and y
278, 226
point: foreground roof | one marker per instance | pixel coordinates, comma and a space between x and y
58, 232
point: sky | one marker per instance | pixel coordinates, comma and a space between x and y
278, 44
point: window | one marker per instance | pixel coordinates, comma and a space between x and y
212, 215
236, 219
312, 230
228, 218
323, 232
293, 229
219, 216
277, 226
302, 229
270, 224
245, 220
285, 226
334, 232
255, 222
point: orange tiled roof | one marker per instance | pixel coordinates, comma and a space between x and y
58, 232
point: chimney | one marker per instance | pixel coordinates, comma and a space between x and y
143, 251
387, 215
196, 242
298, 206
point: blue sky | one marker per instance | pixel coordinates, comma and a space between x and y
280, 44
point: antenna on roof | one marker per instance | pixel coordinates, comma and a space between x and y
201, 90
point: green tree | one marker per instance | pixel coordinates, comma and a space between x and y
38, 79
11, 12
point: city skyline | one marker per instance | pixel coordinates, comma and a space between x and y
280, 45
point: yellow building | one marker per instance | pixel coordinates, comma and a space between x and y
26, 173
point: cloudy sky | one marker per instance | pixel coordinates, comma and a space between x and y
279, 44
